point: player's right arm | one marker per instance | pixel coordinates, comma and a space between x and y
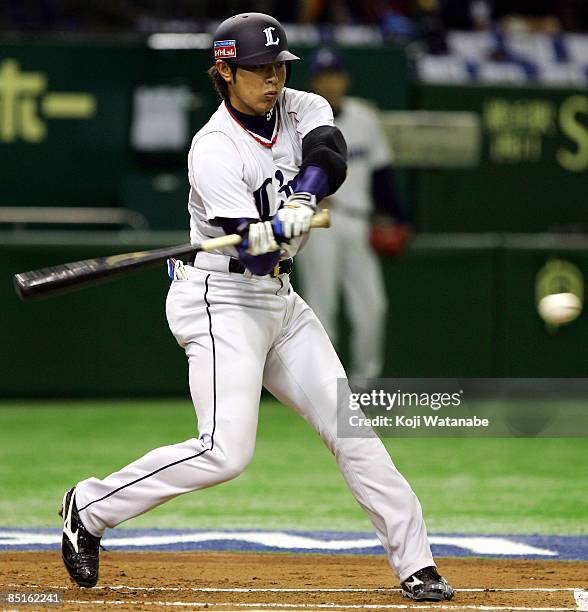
216, 173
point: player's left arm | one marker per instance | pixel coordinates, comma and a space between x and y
323, 166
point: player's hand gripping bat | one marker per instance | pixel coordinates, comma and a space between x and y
71, 276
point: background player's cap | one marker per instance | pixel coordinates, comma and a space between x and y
326, 60
251, 38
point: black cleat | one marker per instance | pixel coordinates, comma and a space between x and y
79, 548
427, 585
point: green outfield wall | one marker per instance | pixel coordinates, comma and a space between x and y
111, 339
68, 111
529, 348
533, 171
459, 306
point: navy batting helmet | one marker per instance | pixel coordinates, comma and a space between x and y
248, 39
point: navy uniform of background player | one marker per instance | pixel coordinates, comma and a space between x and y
258, 167
366, 214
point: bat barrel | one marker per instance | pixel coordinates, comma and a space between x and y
51, 281
58, 279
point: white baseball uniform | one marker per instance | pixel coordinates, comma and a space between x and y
346, 259
243, 331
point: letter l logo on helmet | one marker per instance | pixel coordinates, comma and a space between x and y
269, 37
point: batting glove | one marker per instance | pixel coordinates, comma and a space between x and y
296, 214
261, 239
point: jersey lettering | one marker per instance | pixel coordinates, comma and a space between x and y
286, 188
261, 195
262, 201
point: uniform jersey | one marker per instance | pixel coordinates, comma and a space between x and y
258, 174
367, 150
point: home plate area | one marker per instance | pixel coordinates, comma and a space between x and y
248, 570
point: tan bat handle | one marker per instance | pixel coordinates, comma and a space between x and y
321, 219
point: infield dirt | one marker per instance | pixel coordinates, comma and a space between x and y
133, 581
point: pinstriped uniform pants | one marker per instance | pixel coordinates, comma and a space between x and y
240, 334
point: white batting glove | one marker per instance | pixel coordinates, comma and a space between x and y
261, 239
296, 214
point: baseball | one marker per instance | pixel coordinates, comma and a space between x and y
559, 308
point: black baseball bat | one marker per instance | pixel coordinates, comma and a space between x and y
71, 276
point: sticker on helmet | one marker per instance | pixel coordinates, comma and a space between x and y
224, 49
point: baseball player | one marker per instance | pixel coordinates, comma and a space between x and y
258, 167
346, 252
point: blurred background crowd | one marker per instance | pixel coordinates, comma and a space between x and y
400, 17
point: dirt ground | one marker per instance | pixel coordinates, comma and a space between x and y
237, 581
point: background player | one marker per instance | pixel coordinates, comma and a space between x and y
365, 209
257, 167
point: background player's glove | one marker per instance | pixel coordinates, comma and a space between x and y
295, 215
388, 238
261, 239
